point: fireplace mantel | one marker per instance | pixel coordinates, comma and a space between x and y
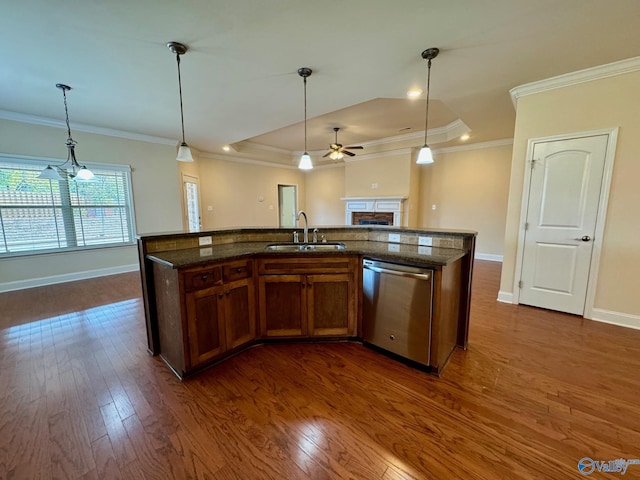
393, 205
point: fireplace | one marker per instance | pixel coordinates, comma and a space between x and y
372, 218
374, 211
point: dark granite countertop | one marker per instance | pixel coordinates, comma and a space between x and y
393, 252
266, 230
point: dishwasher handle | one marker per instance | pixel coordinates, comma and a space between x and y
419, 276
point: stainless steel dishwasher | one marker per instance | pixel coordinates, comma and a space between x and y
397, 309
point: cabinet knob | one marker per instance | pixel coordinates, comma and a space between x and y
239, 270
204, 278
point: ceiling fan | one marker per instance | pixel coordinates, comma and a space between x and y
337, 151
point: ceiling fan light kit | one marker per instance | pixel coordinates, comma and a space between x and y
305, 159
184, 152
337, 151
426, 156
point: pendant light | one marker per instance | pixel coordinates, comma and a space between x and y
184, 152
425, 156
78, 172
305, 159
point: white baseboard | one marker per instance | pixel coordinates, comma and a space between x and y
67, 277
488, 256
616, 318
505, 297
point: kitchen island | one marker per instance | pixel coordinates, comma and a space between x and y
209, 295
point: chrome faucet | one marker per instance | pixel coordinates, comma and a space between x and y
306, 226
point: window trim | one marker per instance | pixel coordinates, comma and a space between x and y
43, 162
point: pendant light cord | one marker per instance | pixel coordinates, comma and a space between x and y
70, 141
305, 114
426, 113
180, 90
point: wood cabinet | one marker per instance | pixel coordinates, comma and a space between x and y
204, 312
307, 296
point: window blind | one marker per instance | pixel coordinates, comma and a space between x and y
38, 215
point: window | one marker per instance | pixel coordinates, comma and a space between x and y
38, 215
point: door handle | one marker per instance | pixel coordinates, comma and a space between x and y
585, 238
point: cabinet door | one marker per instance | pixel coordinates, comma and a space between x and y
240, 314
282, 305
331, 304
205, 313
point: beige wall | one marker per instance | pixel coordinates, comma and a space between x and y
469, 189
606, 103
324, 189
155, 186
244, 194
392, 174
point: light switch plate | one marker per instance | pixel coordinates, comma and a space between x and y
394, 247
425, 241
394, 237
204, 241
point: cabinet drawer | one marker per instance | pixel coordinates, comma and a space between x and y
202, 278
237, 271
311, 264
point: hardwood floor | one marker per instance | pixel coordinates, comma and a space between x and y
536, 391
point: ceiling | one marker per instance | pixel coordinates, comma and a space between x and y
240, 81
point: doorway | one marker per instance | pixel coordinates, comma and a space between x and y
287, 205
191, 197
564, 204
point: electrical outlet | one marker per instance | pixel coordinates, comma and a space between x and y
425, 241
433, 207
394, 247
374, 186
394, 237
204, 241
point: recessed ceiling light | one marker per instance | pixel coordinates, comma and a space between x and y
414, 93
226, 148
464, 137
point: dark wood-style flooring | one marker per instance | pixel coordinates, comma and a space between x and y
536, 391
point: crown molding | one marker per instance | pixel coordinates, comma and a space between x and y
246, 145
449, 131
234, 159
581, 76
474, 146
386, 153
81, 127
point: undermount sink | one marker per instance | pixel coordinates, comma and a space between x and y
306, 247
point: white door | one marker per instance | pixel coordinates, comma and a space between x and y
287, 205
191, 202
564, 193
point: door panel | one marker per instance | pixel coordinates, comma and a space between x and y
564, 194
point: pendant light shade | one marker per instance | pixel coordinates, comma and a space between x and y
426, 156
58, 172
305, 159
305, 162
184, 152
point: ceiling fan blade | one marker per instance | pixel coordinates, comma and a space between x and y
327, 154
357, 147
349, 153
